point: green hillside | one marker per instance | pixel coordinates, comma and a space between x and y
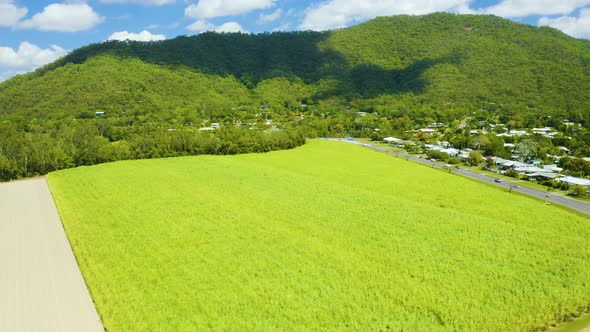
408, 71
329, 236
444, 61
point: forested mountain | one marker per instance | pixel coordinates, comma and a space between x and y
439, 67
441, 61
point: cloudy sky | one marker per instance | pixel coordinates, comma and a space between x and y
36, 32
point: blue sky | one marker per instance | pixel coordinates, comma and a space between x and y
36, 32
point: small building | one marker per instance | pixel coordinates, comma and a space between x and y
463, 155
544, 175
518, 133
505, 163
499, 161
574, 181
544, 130
528, 169
394, 140
433, 147
552, 168
451, 152
215, 125
99, 113
428, 131
568, 122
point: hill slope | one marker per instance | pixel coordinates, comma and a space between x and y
439, 61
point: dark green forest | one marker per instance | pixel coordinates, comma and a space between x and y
270, 91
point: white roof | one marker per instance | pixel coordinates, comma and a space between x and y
433, 147
514, 163
553, 168
499, 160
463, 155
529, 169
450, 151
575, 181
546, 129
546, 175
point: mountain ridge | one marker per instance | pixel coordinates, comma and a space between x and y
460, 61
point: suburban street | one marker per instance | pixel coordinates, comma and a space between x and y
41, 286
580, 206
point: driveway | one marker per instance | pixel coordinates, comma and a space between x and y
41, 287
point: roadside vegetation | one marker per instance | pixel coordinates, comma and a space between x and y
327, 236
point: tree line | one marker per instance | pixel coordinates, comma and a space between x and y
38, 152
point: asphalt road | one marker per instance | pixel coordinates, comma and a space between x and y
580, 206
41, 287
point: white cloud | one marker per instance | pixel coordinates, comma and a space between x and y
267, 18
230, 27
29, 56
66, 17
578, 27
218, 8
333, 14
282, 27
142, 2
200, 26
10, 14
153, 26
203, 25
142, 36
26, 58
522, 8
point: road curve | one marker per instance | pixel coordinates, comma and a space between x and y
580, 206
41, 287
